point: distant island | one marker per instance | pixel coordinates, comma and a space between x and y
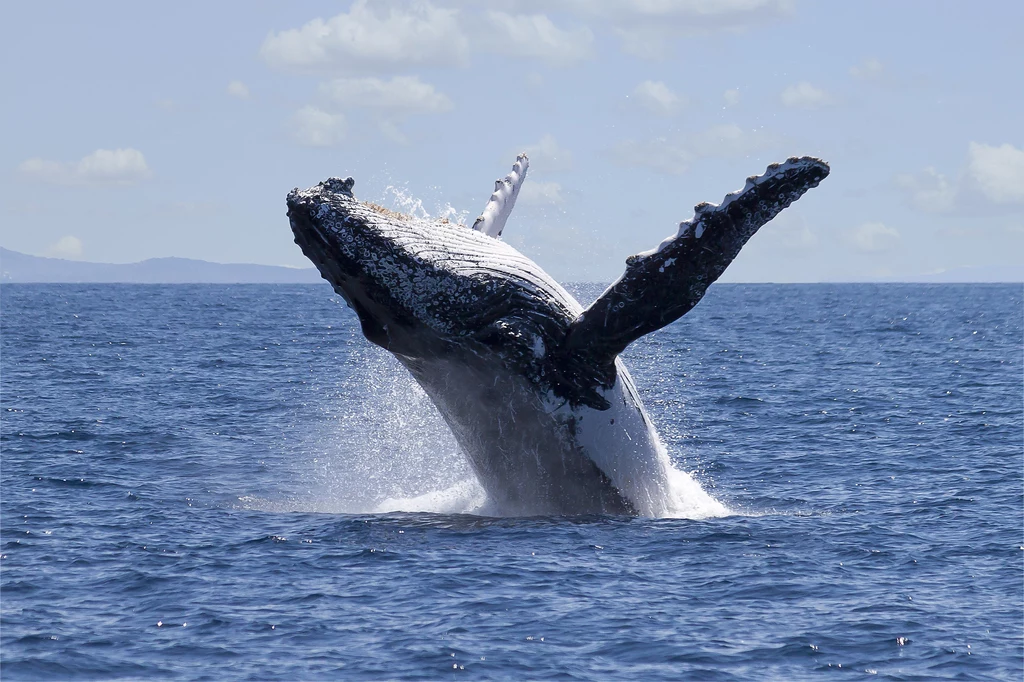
18, 267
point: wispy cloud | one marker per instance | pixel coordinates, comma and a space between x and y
649, 27
873, 237
371, 38
399, 95
929, 190
803, 95
999, 171
535, 35
869, 69
313, 127
238, 89
673, 155
658, 98
992, 177
540, 193
68, 246
547, 155
102, 167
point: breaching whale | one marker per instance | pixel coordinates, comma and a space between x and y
530, 384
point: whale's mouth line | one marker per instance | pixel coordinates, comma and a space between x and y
318, 249
315, 244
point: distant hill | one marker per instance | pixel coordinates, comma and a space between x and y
1004, 273
20, 267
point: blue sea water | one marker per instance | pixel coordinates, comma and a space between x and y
193, 477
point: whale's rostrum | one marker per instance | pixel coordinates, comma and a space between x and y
529, 383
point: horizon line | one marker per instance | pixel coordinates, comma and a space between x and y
921, 278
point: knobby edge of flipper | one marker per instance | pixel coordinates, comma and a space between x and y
660, 286
495, 214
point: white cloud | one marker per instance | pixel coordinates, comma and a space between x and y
731, 97
869, 69
674, 155
803, 95
929, 191
102, 167
999, 171
658, 98
402, 94
313, 127
540, 193
873, 237
68, 246
238, 89
547, 155
364, 39
535, 35
992, 176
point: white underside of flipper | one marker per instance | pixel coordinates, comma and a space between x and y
492, 220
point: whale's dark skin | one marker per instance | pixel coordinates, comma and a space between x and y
530, 383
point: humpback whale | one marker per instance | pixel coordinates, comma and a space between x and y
529, 382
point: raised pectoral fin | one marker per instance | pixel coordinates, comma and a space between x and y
492, 220
660, 286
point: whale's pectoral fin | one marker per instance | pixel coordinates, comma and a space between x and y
660, 286
492, 220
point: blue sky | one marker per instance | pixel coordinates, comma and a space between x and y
137, 130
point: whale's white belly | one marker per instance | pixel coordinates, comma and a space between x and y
534, 454
623, 443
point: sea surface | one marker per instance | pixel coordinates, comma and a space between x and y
228, 482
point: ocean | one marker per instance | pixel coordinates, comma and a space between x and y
229, 482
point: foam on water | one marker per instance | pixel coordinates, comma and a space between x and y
465, 497
690, 500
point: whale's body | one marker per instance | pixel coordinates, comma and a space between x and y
529, 383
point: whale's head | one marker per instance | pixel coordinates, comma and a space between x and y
424, 287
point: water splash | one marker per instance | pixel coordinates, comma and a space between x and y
401, 200
383, 447
384, 440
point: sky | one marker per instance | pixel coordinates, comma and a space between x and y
140, 130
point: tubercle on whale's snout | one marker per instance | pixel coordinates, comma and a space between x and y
339, 185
